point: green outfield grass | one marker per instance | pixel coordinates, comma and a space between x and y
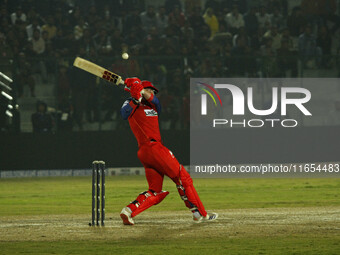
71, 195
287, 245
32, 197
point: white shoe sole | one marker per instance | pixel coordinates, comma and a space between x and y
213, 217
203, 219
126, 220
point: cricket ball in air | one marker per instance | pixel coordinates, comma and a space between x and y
125, 55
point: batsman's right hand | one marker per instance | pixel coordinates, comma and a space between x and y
131, 82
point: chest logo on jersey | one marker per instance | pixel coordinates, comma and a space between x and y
150, 112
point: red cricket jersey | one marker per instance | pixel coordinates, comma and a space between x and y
143, 119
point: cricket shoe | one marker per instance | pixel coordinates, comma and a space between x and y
125, 214
198, 218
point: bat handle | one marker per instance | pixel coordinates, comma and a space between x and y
140, 99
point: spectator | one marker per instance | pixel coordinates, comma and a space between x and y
296, 22
239, 55
277, 19
133, 37
41, 120
20, 37
4, 15
281, 5
287, 60
23, 75
170, 5
222, 24
102, 42
241, 5
78, 30
116, 11
61, 44
242, 33
187, 32
18, 17
286, 36
132, 20
327, 10
162, 19
201, 39
38, 43
31, 27
169, 107
269, 63
275, 37
211, 20
263, 18
324, 41
196, 21
234, 20
189, 49
116, 42
133, 66
149, 18
75, 15
50, 28
110, 21
176, 17
58, 16
311, 9
128, 5
251, 22
87, 44
92, 15
309, 52
65, 116
170, 47
190, 5
214, 4
44, 35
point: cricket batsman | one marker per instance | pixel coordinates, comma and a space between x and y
142, 110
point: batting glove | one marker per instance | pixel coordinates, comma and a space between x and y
135, 91
129, 82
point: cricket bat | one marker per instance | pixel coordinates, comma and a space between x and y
98, 71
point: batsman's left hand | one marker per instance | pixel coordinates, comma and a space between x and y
136, 91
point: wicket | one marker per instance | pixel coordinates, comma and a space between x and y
98, 209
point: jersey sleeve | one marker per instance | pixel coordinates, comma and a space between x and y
155, 101
127, 108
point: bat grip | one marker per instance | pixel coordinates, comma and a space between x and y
140, 99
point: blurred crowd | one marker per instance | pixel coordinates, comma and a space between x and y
166, 44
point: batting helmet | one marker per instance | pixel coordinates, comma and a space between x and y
148, 84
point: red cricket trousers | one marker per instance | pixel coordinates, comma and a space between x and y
158, 161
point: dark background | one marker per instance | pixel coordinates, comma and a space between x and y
78, 150
119, 148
